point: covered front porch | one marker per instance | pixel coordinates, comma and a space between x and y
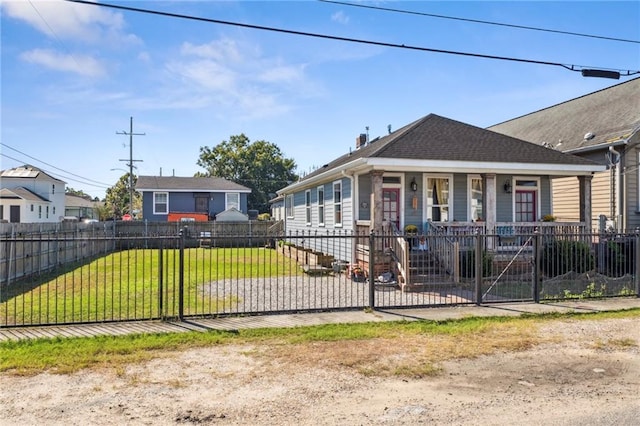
507, 211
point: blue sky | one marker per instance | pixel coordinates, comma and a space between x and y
73, 74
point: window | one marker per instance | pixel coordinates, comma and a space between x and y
475, 198
233, 200
47, 212
321, 205
39, 212
160, 203
1, 212
53, 189
307, 205
54, 210
288, 205
337, 203
31, 207
438, 198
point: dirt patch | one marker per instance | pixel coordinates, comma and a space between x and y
585, 372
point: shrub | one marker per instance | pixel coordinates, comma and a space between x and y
468, 264
560, 257
264, 216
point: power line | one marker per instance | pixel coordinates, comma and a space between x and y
84, 179
570, 67
479, 21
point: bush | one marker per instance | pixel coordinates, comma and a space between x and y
468, 264
560, 257
618, 257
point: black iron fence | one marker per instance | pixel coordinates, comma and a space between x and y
195, 272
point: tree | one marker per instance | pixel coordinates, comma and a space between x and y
258, 165
117, 197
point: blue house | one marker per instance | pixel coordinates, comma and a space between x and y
170, 196
434, 174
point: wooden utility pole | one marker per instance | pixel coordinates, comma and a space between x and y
130, 161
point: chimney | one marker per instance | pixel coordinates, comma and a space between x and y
361, 140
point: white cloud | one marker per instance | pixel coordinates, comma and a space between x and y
79, 64
71, 21
284, 73
219, 50
340, 17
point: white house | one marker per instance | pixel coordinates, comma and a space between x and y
29, 195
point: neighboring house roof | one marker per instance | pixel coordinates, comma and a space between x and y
22, 193
27, 171
188, 184
77, 201
441, 144
610, 116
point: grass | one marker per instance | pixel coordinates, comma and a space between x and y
404, 349
124, 285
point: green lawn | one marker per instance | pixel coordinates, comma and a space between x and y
126, 285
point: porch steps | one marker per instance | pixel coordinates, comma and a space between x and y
425, 273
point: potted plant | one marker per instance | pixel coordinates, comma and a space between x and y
411, 230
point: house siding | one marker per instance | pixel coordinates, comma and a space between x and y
342, 249
632, 184
186, 202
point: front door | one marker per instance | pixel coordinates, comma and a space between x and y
14, 214
202, 204
526, 207
391, 205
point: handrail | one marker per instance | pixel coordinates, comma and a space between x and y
400, 251
445, 249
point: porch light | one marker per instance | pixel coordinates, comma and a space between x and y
414, 185
507, 186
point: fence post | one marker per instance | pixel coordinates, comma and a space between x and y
536, 265
161, 312
372, 260
181, 277
478, 266
637, 271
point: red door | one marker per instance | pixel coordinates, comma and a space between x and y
526, 208
391, 205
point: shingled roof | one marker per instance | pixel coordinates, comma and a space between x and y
609, 115
188, 184
437, 138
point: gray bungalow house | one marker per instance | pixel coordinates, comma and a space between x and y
602, 126
167, 198
434, 172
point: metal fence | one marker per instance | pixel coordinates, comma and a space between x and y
195, 273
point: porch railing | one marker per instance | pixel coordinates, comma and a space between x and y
399, 248
446, 250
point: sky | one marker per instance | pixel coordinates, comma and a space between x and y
72, 75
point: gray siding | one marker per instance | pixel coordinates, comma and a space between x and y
298, 224
460, 193
413, 216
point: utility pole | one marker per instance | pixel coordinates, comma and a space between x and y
130, 161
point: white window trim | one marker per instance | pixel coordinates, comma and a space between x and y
307, 207
514, 180
425, 177
333, 194
226, 200
288, 202
154, 203
321, 207
470, 179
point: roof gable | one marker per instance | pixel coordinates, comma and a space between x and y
610, 114
22, 193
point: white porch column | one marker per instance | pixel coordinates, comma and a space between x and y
585, 200
376, 201
490, 207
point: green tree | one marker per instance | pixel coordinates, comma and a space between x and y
258, 165
117, 197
